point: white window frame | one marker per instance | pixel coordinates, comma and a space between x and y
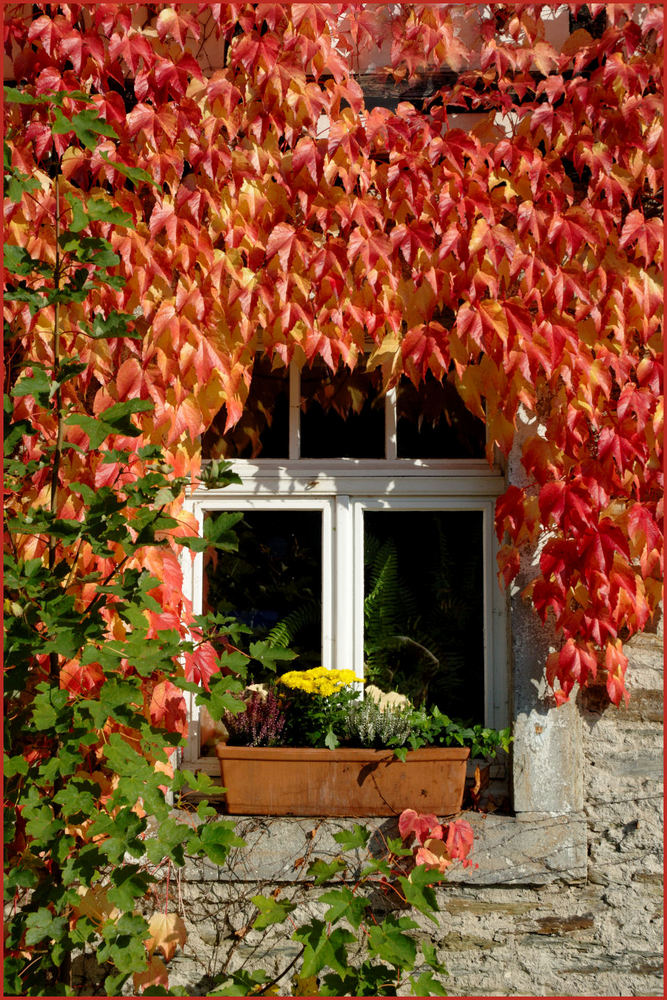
343, 489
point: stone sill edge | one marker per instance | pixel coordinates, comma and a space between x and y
523, 850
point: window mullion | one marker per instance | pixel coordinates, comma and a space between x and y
358, 587
343, 588
294, 412
193, 581
390, 420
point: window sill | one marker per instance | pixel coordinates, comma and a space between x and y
523, 850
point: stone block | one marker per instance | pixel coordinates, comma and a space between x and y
531, 850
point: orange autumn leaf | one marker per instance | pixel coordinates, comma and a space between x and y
167, 933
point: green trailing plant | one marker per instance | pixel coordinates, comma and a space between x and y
434, 728
365, 943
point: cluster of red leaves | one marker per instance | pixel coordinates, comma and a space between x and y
525, 255
437, 845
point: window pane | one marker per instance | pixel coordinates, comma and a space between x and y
262, 431
273, 584
423, 607
342, 415
433, 422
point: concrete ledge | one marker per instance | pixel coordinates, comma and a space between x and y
533, 849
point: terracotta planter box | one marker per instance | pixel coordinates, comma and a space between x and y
287, 781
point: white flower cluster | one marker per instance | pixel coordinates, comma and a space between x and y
379, 723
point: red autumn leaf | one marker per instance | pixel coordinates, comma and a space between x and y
574, 662
645, 540
616, 664
252, 51
129, 379
647, 232
48, 31
175, 23
77, 47
573, 230
426, 345
306, 156
85, 680
201, 664
134, 48
167, 708
281, 241
509, 564
409, 239
460, 839
422, 825
371, 247
163, 216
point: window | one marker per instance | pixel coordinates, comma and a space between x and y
367, 538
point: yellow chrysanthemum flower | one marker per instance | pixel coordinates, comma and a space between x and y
319, 680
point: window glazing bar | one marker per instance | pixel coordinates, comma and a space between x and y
390, 440
294, 412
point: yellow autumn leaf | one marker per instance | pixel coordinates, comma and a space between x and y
167, 932
94, 904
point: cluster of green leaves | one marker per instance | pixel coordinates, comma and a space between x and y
317, 721
355, 949
80, 775
431, 727
88, 731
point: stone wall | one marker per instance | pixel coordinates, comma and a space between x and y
561, 905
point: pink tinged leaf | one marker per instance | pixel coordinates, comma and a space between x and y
419, 824
201, 664
632, 228
460, 838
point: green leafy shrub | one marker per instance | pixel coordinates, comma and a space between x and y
365, 943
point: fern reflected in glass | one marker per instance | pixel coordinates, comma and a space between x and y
273, 583
423, 608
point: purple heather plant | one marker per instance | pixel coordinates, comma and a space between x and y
262, 723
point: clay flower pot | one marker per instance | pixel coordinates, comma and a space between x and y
289, 781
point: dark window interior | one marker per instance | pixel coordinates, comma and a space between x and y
433, 422
273, 583
263, 430
423, 608
342, 414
